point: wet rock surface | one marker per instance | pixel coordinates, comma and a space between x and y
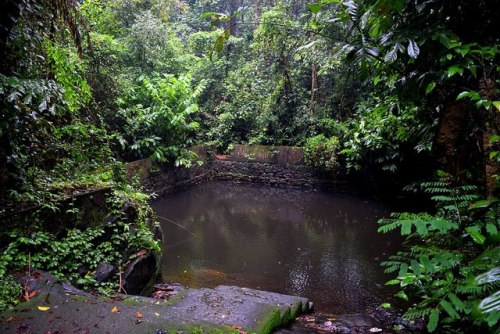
103, 272
140, 274
56, 307
380, 321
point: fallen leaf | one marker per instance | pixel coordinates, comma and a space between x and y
9, 319
43, 308
114, 310
141, 252
138, 315
157, 314
32, 293
375, 330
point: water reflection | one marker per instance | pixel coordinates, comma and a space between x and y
322, 246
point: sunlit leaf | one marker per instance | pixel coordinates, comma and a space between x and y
475, 234
386, 305
393, 54
491, 303
43, 308
496, 104
413, 49
402, 295
489, 277
430, 87
314, 7
452, 70
207, 14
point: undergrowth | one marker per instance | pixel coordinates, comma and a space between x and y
450, 270
73, 254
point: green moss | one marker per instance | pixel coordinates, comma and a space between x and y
269, 322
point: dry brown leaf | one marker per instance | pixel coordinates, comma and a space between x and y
141, 252
138, 315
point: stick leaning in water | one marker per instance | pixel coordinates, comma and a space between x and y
171, 221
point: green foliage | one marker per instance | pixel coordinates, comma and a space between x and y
382, 131
10, 291
152, 46
158, 114
69, 72
450, 271
66, 253
321, 153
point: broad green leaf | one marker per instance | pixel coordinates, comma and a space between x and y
462, 95
483, 103
452, 70
415, 266
481, 204
403, 270
314, 7
494, 138
491, 229
430, 267
402, 295
207, 14
475, 234
413, 49
430, 87
393, 54
449, 309
421, 228
496, 104
433, 320
459, 305
386, 305
406, 227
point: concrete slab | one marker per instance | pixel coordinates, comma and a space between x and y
61, 308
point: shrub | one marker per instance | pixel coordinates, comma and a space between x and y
321, 153
450, 270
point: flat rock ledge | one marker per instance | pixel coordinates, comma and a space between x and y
58, 307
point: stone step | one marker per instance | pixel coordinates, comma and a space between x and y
61, 308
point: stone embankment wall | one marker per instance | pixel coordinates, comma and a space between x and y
279, 166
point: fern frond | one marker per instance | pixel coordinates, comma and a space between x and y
416, 313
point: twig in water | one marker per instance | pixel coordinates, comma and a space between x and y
171, 221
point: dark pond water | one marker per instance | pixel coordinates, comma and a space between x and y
314, 244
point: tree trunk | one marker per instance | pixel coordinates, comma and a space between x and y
314, 87
447, 142
490, 126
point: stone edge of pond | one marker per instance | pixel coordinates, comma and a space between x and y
58, 307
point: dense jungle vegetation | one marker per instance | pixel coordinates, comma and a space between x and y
386, 91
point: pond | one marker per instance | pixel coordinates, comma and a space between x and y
315, 244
